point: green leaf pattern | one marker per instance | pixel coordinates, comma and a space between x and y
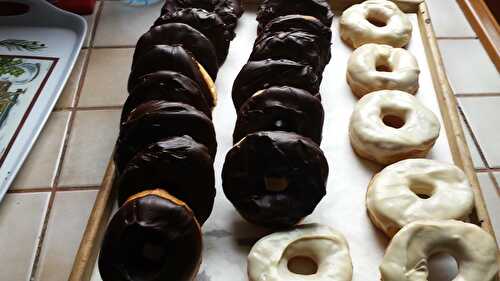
10, 66
20, 45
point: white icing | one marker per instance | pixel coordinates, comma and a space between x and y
356, 30
364, 78
268, 259
373, 140
392, 204
406, 257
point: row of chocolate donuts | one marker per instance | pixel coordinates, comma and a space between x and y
166, 147
276, 174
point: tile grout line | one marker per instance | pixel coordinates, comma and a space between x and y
94, 27
49, 189
30, 190
41, 237
78, 188
89, 108
114, 47
473, 137
55, 182
487, 168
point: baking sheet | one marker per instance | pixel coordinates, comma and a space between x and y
228, 238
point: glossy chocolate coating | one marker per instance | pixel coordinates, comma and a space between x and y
301, 23
270, 9
208, 23
166, 86
280, 155
153, 121
151, 238
181, 166
173, 58
180, 34
281, 109
299, 46
228, 10
259, 75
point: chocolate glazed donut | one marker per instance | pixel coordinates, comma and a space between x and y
153, 121
153, 237
181, 166
173, 58
301, 23
180, 34
258, 75
298, 46
281, 109
275, 179
270, 9
228, 10
166, 86
208, 23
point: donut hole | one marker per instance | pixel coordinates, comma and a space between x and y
377, 19
393, 121
382, 64
422, 190
275, 184
442, 267
144, 254
393, 117
302, 265
279, 123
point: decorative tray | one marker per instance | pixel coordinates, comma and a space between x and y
228, 238
39, 45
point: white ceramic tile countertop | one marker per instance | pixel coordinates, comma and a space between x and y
56, 188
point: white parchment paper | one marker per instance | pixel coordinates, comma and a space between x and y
228, 238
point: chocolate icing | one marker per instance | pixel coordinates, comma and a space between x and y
228, 10
279, 155
301, 23
208, 23
153, 121
173, 58
179, 165
259, 75
166, 86
270, 9
281, 109
180, 34
299, 46
151, 238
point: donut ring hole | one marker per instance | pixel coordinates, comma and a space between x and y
146, 252
279, 123
382, 64
302, 265
394, 118
377, 19
436, 265
423, 190
275, 184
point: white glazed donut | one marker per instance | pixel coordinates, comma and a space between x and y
375, 21
374, 67
406, 257
388, 126
270, 256
393, 199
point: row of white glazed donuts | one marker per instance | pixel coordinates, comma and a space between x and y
416, 202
